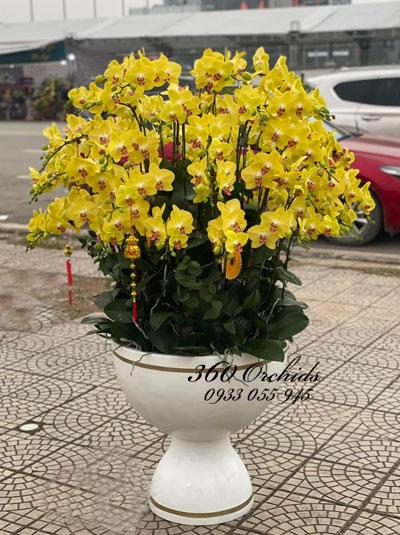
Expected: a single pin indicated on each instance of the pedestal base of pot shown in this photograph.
(201, 483)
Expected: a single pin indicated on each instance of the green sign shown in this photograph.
(52, 52)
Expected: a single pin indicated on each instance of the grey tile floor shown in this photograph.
(329, 465)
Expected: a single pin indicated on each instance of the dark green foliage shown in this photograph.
(186, 306)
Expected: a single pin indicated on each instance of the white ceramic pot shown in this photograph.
(201, 479)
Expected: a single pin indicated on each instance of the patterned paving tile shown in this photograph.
(36, 342)
(103, 401)
(93, 371)
(388, 400)
(121, 433)
(361, 293)
(69, 331)
(291, 514)
(375, 454)
(12, 381)
(268, 469)
(14, 411)
(73, 464)
(354, 385)
(19, 449)
(339, 311)
(336, 351)
(313, 364)
(373, 524)
(387, 499)
(4, 473)
(54, 360)
(67, 425)
(151, 525)
(379, 358)
(52, 392)
(321, 288)
(320, 323)
(46, 364)
(371, 425)
(384, 425)
(303, 429)
(10, 336)
(389, 303)
(388, 342)
(12, 522)
(360, 337)
(322, 480)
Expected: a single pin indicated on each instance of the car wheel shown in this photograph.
(364, 230)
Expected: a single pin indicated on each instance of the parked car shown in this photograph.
(378, 159)
(363, 99)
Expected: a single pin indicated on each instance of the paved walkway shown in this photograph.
(329, 465)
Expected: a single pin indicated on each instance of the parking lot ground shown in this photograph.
(330, 464)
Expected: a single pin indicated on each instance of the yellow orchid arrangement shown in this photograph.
(215, 185)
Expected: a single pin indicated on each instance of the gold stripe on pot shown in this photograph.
(201, 515)
(176, 370)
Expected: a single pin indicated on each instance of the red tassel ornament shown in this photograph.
(68, 264)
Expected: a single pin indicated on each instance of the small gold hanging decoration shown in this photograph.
(132, 251)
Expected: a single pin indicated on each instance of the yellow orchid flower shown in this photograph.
(261, 61)
(263, 170)
(310, 225)
(226, 177)
(56, 222)
(273, 227)
(215, 234)
(141, 72)
(179, 222)
(163, 178)
(166, 71)
(140, 184)
(213, 71)
(235, 241)
(173, 112)
(220, 150)
(155, 228)
(54, 136)
(81, 208)
(232, 215)
(329, 226)
(109, 233)
(37, 225)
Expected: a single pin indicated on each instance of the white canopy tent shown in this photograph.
(95, 41)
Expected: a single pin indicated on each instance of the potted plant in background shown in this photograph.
(193, 201)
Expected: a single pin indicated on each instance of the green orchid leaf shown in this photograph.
(266, 349)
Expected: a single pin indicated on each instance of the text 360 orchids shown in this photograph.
(224, 371)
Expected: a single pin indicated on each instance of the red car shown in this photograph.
(378, 159)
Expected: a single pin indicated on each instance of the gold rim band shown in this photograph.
(176, 370)
(201, 515)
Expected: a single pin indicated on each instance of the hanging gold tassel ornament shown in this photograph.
(132, 251)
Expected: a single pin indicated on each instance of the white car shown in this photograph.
(365, 99)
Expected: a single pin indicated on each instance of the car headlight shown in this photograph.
(390, 170)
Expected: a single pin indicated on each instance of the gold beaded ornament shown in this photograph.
(132, 251)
